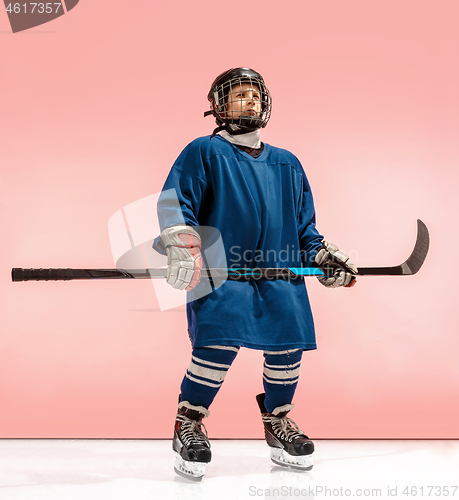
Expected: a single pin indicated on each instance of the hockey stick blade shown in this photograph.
(411, 265)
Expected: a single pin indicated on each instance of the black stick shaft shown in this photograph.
(19, 274)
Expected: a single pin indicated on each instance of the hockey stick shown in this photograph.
(409, 267)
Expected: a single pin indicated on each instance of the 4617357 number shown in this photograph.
(430, 491)
(33, 8)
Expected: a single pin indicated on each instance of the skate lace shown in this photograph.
(191, 431)
(284, 427)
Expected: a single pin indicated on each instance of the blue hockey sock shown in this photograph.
(206, 373)
(280, 377)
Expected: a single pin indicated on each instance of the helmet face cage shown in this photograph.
(225, 95)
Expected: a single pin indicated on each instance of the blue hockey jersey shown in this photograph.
(264, 211)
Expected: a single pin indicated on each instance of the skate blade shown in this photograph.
(191, 470)
(284, 459)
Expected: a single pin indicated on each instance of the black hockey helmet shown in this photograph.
(218, 98)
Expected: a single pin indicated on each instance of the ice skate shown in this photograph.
(289, 446)
(190, 443)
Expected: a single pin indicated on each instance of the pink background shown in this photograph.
(96, 106)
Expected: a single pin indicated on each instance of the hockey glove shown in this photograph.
(184, 261)
(343, 268)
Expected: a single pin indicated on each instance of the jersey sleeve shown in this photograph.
(183, 191)
(309, 236)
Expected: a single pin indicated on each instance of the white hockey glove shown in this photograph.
(184, 261)
(344, 268)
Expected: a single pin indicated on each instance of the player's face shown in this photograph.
(243, 100)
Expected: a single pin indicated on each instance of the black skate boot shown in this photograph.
(191, 445)
(290, 447)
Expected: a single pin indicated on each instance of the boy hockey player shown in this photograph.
(259, 198)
